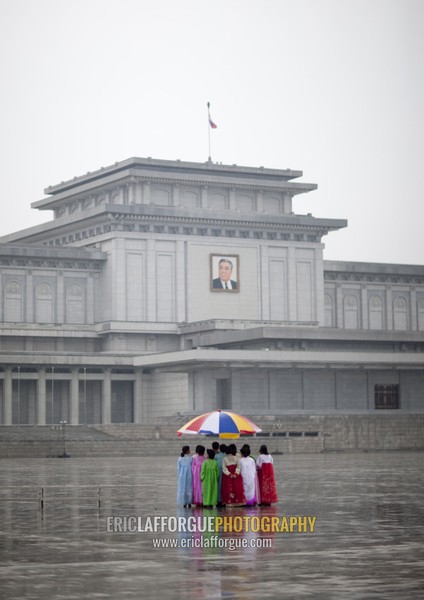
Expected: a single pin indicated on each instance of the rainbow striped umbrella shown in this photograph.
(224, 423)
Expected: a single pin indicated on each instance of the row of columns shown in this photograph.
(140, 192)
(48, 374)
(413, 316)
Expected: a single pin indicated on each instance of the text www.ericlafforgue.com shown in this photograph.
(213, 541)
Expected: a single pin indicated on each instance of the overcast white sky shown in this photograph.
(334, 88)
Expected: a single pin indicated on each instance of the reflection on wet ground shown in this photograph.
(367, 542)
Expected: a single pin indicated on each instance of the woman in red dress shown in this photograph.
(232, 490)
(264, 464)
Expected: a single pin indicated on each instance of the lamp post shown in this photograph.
(64, 455)
(85, 396)
(52, 395)
(19, 396)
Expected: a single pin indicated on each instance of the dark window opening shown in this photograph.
(386, 396)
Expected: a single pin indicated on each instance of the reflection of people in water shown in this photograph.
(225, 271)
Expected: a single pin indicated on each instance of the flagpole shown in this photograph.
(209, 134)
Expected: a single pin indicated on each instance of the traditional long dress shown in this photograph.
(268, 489)
(250, 480)
(232, 491)
(196, 467)
(219, 458)
(185, 480)
(209, 475)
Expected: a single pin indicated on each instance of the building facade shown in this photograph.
(115, 311)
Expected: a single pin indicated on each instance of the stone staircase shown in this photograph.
(130, 439)
(288, 434)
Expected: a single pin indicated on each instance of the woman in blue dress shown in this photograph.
(185, 486)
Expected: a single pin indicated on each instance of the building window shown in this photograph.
(400, 313)
(351, 312)
(13, 302)
(44, 303)
(375, 312)
(386, 396)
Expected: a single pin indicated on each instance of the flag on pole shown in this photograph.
(211, 123)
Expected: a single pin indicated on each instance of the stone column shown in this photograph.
(90, 299)
(175, 200)
(319, 286)
(138, 193)
(146, 192)
(259, 201)
(29, 285)
(204, 197)
(60, 304)
(8, 396)
(119, 266)
(413, 309)
(138, 396)
(107, 397)
(74, 408)
(389, 308)
(264, 308)
(339, 306)
(41, 397)
(151, 280)
(232, 199)
(181, 277)
(131, 193)
(292, 284)
(364, 307)
(287, 204)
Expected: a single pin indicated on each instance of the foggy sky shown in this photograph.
(334, 88)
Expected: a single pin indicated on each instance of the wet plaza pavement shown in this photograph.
(367, 541)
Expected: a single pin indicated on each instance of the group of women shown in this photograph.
(221, 476)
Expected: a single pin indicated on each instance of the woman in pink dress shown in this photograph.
(196, 467)
(264, 465)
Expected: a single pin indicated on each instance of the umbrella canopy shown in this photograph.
(220, 422)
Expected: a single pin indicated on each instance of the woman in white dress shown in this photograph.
(250, 477)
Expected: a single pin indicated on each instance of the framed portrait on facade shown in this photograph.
(224, 273)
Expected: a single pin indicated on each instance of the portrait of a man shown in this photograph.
(224, 273)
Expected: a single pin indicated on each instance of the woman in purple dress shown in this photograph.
(196, 467)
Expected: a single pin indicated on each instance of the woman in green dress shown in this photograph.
(209, 476)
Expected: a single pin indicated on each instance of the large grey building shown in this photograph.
(115, 310)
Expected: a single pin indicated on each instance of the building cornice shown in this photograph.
(358, 272)
(108, 218)
(140, 166)
(214, 358)
(128, 178)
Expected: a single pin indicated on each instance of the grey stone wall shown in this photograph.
(288, 435)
